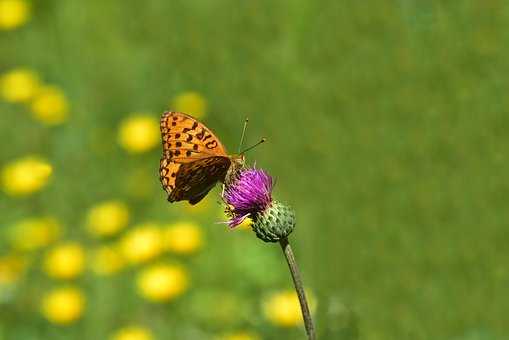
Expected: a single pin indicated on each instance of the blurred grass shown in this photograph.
(387, 126)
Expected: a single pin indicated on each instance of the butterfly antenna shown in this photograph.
(263, 140)
(243, 134)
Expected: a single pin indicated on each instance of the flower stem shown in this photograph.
(299, 287)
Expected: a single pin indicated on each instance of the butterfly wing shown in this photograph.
(194, 159)
(185, 139)
(194, 180)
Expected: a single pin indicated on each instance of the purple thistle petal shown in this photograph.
(250, 193)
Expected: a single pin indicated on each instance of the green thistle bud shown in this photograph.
(274, 223)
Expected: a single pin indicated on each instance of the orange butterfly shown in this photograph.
(194, 159)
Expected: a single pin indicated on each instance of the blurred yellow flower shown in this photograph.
(142, 243)
(243, 335)
(13, 13)
(139, 133)
(50, 105)
(183, 238)
(107, 260)
(25, 175)
(161, 282)
(283, 308)
(63, 305)
(11, 268)
(107, 218)
(34, 233)
(133, 333)
(65, 261)
(18, 85)
(191, 103)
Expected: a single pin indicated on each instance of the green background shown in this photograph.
(387, 131)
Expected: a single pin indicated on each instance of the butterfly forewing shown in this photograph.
(185, 139)
(194, 159)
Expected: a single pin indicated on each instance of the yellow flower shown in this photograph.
(283, 308)
(190, 102)
(240, 336)
(18, 85)
(139, 133)
(65, 261)
(25, 175)
(107, 260)
(11, 268)
(50, 106)
(143, 243)
(13, 13)
(183, 238)
(34, 233)
(161, 282)
(63, 305)
(133, 333)
(107, 218)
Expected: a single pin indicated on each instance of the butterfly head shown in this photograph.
(238, 160)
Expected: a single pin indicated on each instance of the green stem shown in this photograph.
(299, 288)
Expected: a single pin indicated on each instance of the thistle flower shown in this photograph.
(249, 194)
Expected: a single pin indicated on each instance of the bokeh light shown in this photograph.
(11, 268)
(63, 306)
(50, 105)
(191, 103)
(65, 261)
(161, 282)
(18, 85)
(144, 242)
(25, 175)
(107, 218)
(139, 133)
(183, 238)
(13, 13)
(34, 233)
(283, 308)
(132, 333)
(242, 335)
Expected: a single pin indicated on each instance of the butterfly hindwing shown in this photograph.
(168, 174)
(193, 180)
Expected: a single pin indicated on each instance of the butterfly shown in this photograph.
(194, 159)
